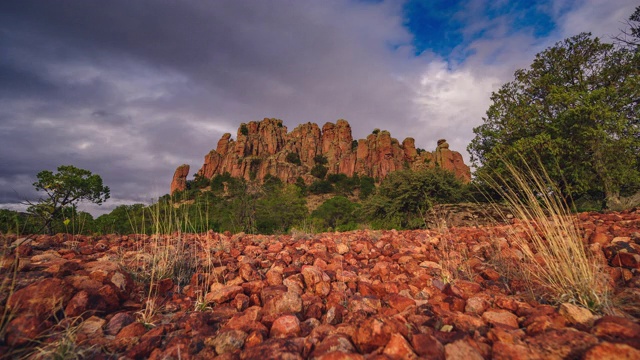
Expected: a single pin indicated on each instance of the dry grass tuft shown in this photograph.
(556, 266)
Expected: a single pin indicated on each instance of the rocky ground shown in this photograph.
(432, 294)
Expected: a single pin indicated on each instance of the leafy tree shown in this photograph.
(279, 209)
(575, 112)
(337, 213)
(301, 185)
(67, 187)
(367, 187)
(404, 196)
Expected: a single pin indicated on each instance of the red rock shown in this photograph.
(476, 305)
(609, 351)
(399, 302)
(613, 327)
(179, 182)
(286, 326)
(334, 344)
(227, 341)
(505, 351)
(374, 333)
(135, 329)
(222, 295)
(461, 350)
(562, 344)
(118, 322)
(399, 348)
(24, 329)
(501, 318)
(268, 140)
(78, 304)
(275, 349)
(576, 315)
(41, 298)
(316, 280)
(427, 346)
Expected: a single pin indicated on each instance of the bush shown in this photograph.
(320, 187)
(404, 197)
(337, 213)
(367, 187)
(320, 159)
(319, 171)
(293, 158)
(244, 130)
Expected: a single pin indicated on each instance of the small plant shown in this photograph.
(556, 265)
(147, 314)
(293, 158)
(244, 130)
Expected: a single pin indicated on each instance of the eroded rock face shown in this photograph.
(262, 147)
(179, 182)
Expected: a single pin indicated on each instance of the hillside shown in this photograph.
(266, 147)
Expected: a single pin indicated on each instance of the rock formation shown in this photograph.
(179, 182)
(261, 148)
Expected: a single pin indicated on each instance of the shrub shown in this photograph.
(320, 187)
(293, 158)
(319, 171)
(404, 196)
(337, 212)
(320, 159)
(244, 130)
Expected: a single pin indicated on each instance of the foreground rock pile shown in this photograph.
(357, 295)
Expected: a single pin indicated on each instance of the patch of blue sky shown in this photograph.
(447, 27)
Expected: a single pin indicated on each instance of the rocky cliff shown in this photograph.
(261, 148)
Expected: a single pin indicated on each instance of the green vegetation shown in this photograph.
(337, 213)
(319, 171)
(293, 158)
(404, 197)
(574, 111)
(244, 130)
(63, 191)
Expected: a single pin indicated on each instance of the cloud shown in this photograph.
(130, 90)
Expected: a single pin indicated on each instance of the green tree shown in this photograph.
(631, 36)
(279, 209)
(337, 213)
(65, 188)
(319, 171)
(404, 196)
(574, 112)
(293, 158)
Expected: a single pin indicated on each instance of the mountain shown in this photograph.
(266, 147)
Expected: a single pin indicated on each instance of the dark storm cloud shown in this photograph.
(132, 89)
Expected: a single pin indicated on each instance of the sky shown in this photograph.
(132, 89)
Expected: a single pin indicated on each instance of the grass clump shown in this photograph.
(556, 266)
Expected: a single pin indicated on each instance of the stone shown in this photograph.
(227, 341)
(399, 348)
(427, 346)
(576, 315)
(179, 182)
(461, 350)
(286, 326)
(24, 329)
(611, 351)
(501, 318)
(223, 294)
(41, 298)
(117, 322)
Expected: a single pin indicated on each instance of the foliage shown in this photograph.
(293, 158)
(244, 130)
(367, 187)
(631, 37)
(280, 209)
(404, 196)
(337, 213)
(198, 182)
(576, 109)
(319, 171)
(320, 159)
(66, 188)
(302, 186)
(320, 187)
(218, 181)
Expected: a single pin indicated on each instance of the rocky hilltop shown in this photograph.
(264, 147)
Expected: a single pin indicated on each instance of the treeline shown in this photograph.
(225, 203)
